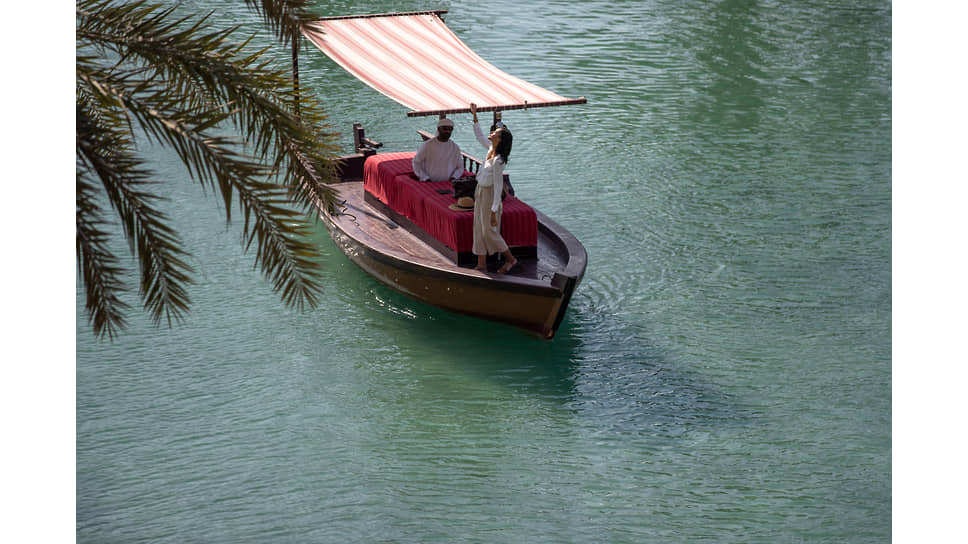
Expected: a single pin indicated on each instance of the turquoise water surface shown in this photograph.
(723, 373)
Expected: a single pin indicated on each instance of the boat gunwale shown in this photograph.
(577, 254)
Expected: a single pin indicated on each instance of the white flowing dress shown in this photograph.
(487, 199)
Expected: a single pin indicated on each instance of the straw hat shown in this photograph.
(464, 204)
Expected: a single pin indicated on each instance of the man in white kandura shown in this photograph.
(439, 158)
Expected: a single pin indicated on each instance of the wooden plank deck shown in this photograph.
(360, 220)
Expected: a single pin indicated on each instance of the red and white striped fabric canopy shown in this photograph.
(414, 59)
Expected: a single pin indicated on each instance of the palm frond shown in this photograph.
(283, 17)
(106, 154)
(140, 70)
(98, 265)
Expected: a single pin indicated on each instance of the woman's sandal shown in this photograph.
(508, 267)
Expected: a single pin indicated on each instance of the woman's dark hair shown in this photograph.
(504, 146)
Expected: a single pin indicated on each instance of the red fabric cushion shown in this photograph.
(389, 177)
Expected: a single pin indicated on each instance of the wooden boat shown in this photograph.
(397, 245)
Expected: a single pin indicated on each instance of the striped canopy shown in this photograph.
(414, 59)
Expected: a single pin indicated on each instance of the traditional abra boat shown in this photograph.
(407, 233)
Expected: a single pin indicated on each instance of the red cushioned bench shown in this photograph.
(391, 186)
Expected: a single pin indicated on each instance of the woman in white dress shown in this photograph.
(487, 197)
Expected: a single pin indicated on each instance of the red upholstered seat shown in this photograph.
(389, 177)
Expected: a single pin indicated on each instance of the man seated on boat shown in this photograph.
(439, 158)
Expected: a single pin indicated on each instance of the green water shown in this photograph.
(723, 373)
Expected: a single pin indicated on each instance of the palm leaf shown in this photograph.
(183, 84)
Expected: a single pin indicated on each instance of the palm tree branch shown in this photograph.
(275, 226)
(142, 70)
(284, 252)
(283, 17)
(98, 265)
(257, 97)
(164, 274)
